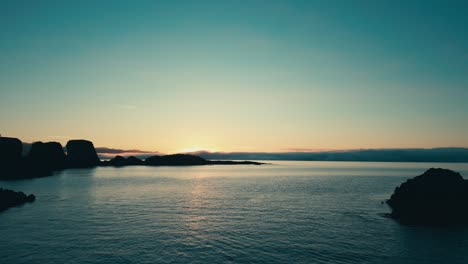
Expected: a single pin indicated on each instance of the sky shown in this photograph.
(174, 76)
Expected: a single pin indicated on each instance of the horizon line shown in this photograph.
(109, 150)
(137, 151)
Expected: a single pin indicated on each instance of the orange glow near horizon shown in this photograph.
(224, 140)
(195, 149)
(265, 78)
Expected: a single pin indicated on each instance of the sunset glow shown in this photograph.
(195, 149)
(232, 76)
(228, 131)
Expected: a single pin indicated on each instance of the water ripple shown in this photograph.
(283, 213)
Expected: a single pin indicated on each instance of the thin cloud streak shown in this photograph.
(105, 150)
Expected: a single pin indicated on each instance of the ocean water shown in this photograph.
(285, 212)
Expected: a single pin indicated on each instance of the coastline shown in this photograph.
(45, 158)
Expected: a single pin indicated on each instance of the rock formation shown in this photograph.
(134, 161)
(10, 156)
(10, 150)
(175, 160)
(438, 196)
(120, 161)
(9, 198)
(81, 154)
(191, 160)
(45, 158)
(232, 162)
(172, 160)
(48, 155)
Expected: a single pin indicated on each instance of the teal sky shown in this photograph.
(236, 75)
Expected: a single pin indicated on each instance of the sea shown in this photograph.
(282, 212)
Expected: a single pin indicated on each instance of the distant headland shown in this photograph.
(45, 158)
(447, 154)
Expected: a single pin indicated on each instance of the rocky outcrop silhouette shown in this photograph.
(191, 160)
(120, 161)
(9, 198)
(45, 158)
(81, 154)
(10, 156)
(176, 160)
(49, 155)
(134, 161)
(172, 160)
(42, 160)
(232, 162)
(10, 150)
(438, 196)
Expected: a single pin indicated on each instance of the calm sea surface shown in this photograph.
(287, 212)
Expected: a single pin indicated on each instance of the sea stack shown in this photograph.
(81, 154)
(10, 157)
(438, 196)
(10, 150)
(49, 155)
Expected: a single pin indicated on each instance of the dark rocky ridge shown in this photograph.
(120, 161)
(81, 153)
(9, 198)
(10, 149)
(45, 158)
(10, 155)
(437, 197)
(172, 160)
(134, 161)
(176, 160)
(49, 155)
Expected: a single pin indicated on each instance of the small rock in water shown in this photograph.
(9, 198)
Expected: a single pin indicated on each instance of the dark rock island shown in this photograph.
(172, 160)
(9, 198)
(82, 154)
(45, 158)
(437, 197)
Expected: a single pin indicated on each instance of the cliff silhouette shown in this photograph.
(44, 158)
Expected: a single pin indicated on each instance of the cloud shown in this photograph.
(105, 150)
(109, 153)
(305, 150)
